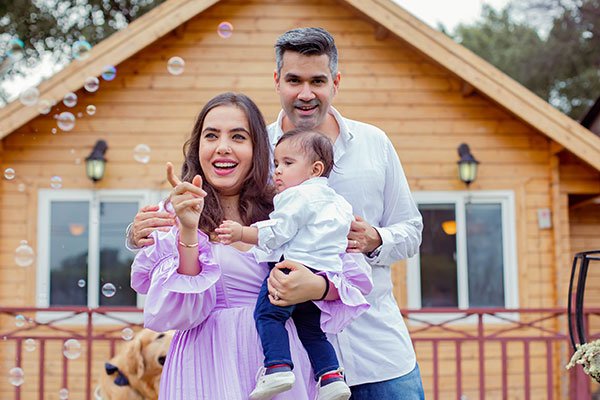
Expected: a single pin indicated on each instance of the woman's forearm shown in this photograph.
(188, 252)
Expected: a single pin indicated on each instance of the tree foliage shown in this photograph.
(49, 28)
(562, 66)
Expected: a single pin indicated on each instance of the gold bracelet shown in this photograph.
(189, 246)
(242, 234)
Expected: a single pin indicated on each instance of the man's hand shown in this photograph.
(362, 238)
(146, 221)
(298, 286)
(229, 232)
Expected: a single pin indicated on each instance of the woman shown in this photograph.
(206, 290)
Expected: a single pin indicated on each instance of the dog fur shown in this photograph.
(140, 361)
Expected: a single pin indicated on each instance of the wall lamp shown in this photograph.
(95, 163)
(467, 165)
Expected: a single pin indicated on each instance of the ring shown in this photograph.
(276, 295)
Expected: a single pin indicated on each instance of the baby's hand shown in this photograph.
(229, 232)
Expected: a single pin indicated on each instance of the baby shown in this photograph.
(309, 225)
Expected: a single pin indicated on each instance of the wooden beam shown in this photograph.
(467, 89)
(556, 148)
(381, 33)
(594, 201)
(180, 30)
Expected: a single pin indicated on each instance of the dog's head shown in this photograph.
(139, 363)
(147, 353)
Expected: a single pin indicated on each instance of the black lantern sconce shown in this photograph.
(95, 163)
(467, 165)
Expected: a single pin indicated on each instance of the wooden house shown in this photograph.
(503, 243)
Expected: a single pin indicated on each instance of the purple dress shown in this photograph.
(216, 351)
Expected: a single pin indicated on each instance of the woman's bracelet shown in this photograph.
(326, 288)
(188, 246)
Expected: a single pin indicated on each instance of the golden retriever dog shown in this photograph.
(134, 373)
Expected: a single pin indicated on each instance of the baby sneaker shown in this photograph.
(269, 385)
(332, 386)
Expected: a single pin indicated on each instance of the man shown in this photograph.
(375, 350)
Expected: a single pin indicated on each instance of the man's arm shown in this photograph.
(401, 224)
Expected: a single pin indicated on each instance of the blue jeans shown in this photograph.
(270, 324)
(407, 387)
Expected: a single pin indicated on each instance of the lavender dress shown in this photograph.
(216, 352)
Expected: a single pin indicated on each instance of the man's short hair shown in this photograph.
(308, 42)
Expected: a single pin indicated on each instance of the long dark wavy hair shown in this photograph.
(256, 194)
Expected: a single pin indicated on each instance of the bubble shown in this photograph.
(9, 174)
(141, 153)
(29, 96)
(79, 115)
(90, 109)
(175, 65)
(109, 73)
(29, 345)
(72, 349)
(16, 376)
(53, 130)
(81, 50)
(127, 333)
(70, 99)
(81, 283)
(63, 394)
(44, 106)
(66, 121)
(21, 187)
(56, 182)
(225, 30)
(15, 49)
(77, 161)
(20, 321)
(109, 290)
(91, 84)
(24, 254)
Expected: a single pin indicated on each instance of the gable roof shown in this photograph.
(472, 69)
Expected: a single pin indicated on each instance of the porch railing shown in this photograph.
(463, 354)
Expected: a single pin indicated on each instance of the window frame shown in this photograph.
(94, 198)
(460, 198)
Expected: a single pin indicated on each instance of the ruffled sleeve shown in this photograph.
(174, 301)
(353, 284)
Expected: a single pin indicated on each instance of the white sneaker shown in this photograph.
(268, 386)
(338, 390)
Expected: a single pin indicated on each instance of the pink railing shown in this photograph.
(454, 347)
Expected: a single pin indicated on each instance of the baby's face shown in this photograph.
(292, 167)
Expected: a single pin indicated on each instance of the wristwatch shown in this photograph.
(375, 253)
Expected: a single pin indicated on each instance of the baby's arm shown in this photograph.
(231, 231)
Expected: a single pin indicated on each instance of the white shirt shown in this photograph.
(376, 346)
(309, 224)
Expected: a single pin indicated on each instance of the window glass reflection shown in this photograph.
(484, 252)
(115, 259)
(438, 256)
(68, 252)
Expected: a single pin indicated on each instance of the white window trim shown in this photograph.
(94, 197)
(511, 285)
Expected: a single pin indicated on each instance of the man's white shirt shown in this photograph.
(368, 174)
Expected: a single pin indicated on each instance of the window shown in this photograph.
(81, 246)
(468, 255)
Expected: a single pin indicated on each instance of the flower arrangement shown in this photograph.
(588, 355)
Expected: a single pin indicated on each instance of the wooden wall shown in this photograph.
(384, 81)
